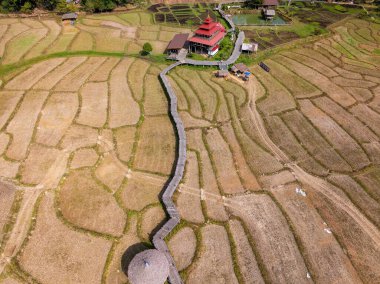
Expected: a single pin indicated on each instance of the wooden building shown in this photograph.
(239, 68)
(207, 37)
(250, 47)
(178, 42)
(269, 14)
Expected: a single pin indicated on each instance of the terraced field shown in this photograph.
(119, 33)
(318, 105)
(86, 146)
(77, 163)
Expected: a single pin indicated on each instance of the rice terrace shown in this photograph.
(168, 142)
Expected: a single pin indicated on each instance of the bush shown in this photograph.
(147, 49)
(98, 5)
(26, 8)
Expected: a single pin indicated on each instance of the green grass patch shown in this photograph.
(376, 51)
(6, 69)
(18, 47)
(305, 30)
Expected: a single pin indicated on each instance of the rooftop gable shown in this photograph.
(270, 3)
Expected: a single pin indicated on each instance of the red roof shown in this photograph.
(207, 26)
(207, 32)
(208, 42)
(215, 47)
(208, 19)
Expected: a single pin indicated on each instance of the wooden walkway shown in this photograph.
(174, 217)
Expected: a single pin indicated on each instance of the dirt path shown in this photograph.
(21, 227)
(316, 183)
(24, 215)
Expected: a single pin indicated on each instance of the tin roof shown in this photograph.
(69, 16)
(178, 41)
(269, 12)
(241, 67)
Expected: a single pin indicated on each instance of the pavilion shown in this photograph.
(148, 267)
(207, 37)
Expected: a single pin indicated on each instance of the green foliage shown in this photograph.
(147, 49)
(340, 8)
(98, 5)
(11, 5)
(62, 7)
(47, 4)
(26, 8)
(254, 3)
(225, 49)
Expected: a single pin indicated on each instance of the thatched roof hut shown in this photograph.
(69, 16)
(148, 267)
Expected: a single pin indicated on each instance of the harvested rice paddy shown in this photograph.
(282, 172)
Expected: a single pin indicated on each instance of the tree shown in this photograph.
(11, 5)
(46, 4)
(62, 7)
(147, 48)
(98, 5)
(254, 3)
(26, 8)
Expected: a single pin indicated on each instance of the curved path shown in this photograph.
(174, 217)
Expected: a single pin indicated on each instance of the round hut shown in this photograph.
(148, 267)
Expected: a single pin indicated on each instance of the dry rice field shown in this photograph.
(80, 177)
(86, 146)
(22, 39)
(319, 106)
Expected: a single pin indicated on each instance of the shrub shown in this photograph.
(26, 8)
(147, 49)
(340, 8)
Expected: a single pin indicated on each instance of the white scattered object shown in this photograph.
(300, 192)
(202, 194)
(308, 275)
(129, 173)
(327, 230)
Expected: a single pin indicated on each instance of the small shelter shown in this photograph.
(222, 73)
(70, 17)
(269, 14)
(148, 267)
(250, 47)
(239, 68)
(178, 42)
